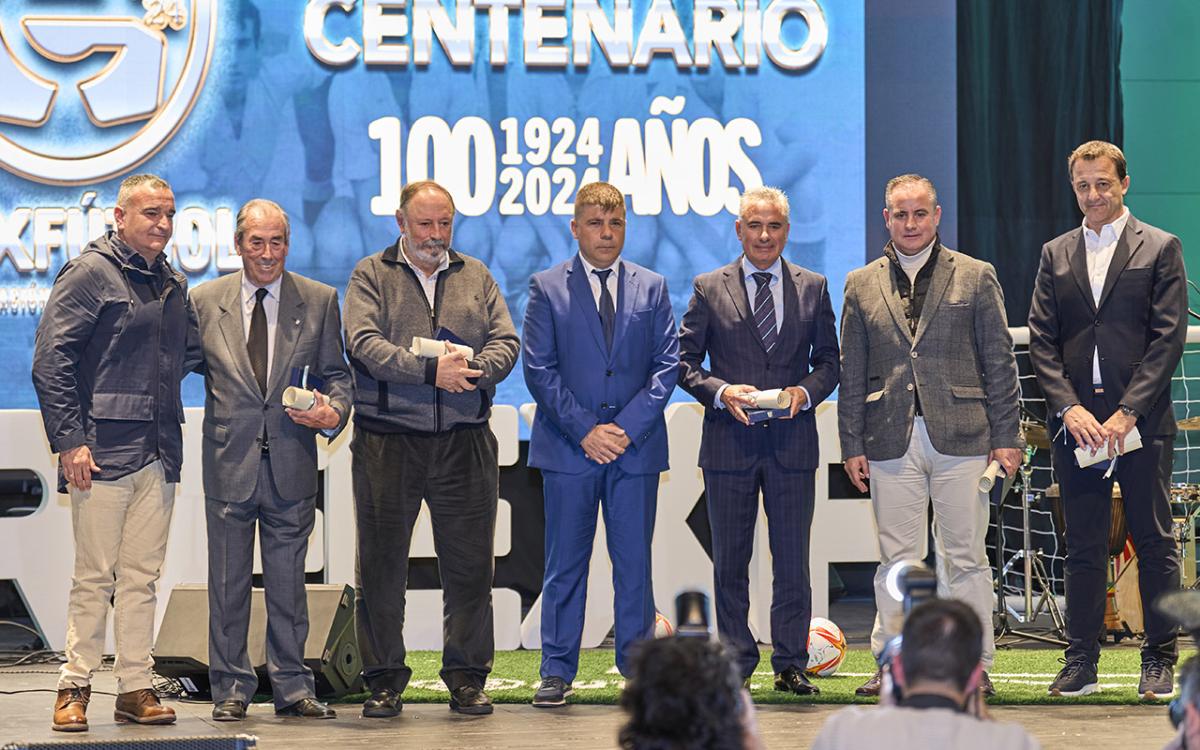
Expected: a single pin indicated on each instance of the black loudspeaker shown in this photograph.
(331, 651)
(227, 742)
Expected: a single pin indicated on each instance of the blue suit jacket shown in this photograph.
(719, 324)
(577, 383)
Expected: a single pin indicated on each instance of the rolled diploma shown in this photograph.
(988, 479)
(776, 398)
(429, 348)
(300, 399)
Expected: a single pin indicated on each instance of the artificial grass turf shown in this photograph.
(1021, 676)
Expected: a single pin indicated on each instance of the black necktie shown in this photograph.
(256, 345)
(608, 311)
(764, 311)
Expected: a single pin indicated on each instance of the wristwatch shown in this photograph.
(1127, 411)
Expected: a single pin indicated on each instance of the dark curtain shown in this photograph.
(1035, 80)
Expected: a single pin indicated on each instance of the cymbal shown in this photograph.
(1037, 436)
(1191, 423)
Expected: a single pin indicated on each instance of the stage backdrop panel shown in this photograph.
(329, 106)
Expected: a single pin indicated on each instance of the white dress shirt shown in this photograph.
(594, 280)
(270, 307)
(775, 284)
(776, 287)
(1100, 248)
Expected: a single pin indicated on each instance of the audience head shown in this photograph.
(683, 693)
(941, 644)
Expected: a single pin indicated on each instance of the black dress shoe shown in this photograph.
(792, 680)
(383, 704)
(469, 699)
(231, 710)
(307, 708)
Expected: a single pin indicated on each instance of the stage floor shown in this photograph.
(25, 716)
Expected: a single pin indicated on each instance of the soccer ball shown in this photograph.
(826, 647)
(662, 626)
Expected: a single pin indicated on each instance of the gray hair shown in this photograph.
(131, 183)
(765, 194)
(261, 204)
(907, 179)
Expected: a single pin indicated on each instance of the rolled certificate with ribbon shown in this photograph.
(988, 479)
(429, 348)
(776, 398)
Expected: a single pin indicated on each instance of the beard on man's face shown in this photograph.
(429, 251)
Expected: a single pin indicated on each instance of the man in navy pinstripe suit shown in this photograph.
(763, 323)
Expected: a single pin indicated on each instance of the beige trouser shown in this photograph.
(901, 489)
(120, 542)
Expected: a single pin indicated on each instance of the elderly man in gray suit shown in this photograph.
(928, 398)
(257, 328)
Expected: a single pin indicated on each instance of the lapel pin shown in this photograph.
(296, 321)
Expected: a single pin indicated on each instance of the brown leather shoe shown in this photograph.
(142, 707)
(70, 709)
(872, 687)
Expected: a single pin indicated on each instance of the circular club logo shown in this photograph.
(136, 78)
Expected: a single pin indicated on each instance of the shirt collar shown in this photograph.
(776, 269)
(249, 288)
(1109, 233)
(588, 267)
(441, 266)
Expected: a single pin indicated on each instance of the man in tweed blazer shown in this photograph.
(763, 323)
(928, 398)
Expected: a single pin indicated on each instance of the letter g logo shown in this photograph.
(126, 110)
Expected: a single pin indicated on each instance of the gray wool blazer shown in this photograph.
(308, 332)
(960, 361)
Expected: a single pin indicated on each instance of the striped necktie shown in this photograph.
(764, 311)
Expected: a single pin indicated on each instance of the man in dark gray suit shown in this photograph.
(763, 323)
(257, 328)
(1106, 332)
(928, 399)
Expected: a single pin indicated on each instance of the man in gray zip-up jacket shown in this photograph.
(421, 432)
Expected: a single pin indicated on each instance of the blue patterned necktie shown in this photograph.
(764, 311)
(608, 311)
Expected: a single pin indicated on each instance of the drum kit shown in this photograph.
(1123, 615)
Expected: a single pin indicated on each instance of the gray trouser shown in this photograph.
(283, 529)
(901, 489)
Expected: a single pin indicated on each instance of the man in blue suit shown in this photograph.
(601, 359)
(763, 323)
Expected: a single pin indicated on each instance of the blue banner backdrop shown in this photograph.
(329, 106)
